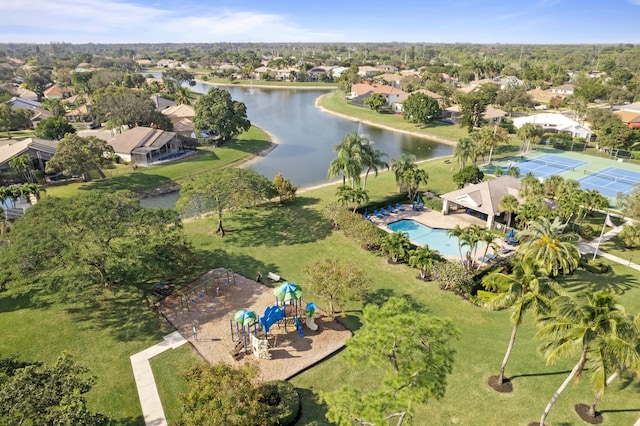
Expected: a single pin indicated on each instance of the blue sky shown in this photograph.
(444, 21)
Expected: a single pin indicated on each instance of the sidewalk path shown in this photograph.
(146, 384)
(590, 248)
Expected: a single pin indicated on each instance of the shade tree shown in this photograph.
(78, 156)
(420, 109)
(218, 115)
(221, 190)
(53, 128)
(414, 361)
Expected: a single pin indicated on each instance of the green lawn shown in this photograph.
(146, 178)
(335, 102)
(283, 239)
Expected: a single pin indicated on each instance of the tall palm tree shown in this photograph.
(530, 186)
(412, 179)
(401, 166)
(372, 159)
(470, 238)
(424, 259)
(184, 96)
(551, 185)
(349, 159)
(547, 242)
(457, 232)
(463, 151)
(487, 236)
(509, 203)
(526, 288)
(590, 327)
(359, 197)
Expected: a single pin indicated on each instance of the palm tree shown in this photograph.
(344, 194)
(423, 258)
(591, 326)
(547, 242)
(401, 166)
(509, 203)
(530, 186)
(457, 232)
(372, 160)
(526, 288)
(412, 179)
(487, 236)
(551, 185)
(359, 196)
(488, 138)
(470, 238)
(529, 131)
(396, 245)
(464, 150)
(184, 96)
(349, 159)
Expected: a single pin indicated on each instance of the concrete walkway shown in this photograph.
(146, 384)
(590, 248)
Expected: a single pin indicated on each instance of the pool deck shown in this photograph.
(435, 219)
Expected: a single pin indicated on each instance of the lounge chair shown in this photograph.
(484, 259)
(384, 212)
(505, 250)
(491, 256)
(399, 207)
(378, 214)
(391, 209)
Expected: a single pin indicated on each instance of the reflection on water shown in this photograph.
(168, 201)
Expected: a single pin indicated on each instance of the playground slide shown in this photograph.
(272, 315)
(299, 327)
(311, 324)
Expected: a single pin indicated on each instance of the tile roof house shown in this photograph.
(144, 145)
(26, 94)
(181, 117)
(56, 92)
(397, 105)
(361, 91)
(40, 151)
(367, 71)
(162, 103)
(482, 198)
(563, 90)
(491, 115)
(38, 115)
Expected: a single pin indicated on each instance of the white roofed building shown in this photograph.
(558, 123)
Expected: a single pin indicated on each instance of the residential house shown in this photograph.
(25, 94)
(162, 103)
(145, 63)
(168, 63)
(260, 72)
(318, 73)
(563, 90)
(78, 108)
(40, 151)
(630, 118)
(555, 123)
(388, 68)
(491, 115)
(38, 114)
(337, 71)
(397, 106)
(361, 91)
(392, 79)
(144, 145)
(287, 74)
(181, 117)
(482, 199)
(16, 102)
(56, 92)
(367, 71)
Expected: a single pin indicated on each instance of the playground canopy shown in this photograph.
(288, 291)
(245, 317)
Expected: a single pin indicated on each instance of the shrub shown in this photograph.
(454, 277)
(282, 401)
(594, 266)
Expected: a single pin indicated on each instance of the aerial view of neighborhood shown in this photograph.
(274, 214)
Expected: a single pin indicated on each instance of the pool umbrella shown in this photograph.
(288, 291)
(244, 317)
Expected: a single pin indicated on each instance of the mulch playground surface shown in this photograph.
(210, 314)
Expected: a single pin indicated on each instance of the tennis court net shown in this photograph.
(552, 164)
(613, 178)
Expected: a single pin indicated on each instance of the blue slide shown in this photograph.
(299, 327)
(272, 315)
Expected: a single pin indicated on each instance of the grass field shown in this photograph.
(283, 239)
(335, 102)
(146, 178)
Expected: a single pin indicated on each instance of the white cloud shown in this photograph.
(113, 21)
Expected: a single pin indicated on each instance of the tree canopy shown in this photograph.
(77, 156)
(94, 240)
(420, 108)
(53, 128)
(411, 349)
(128, 107)
(32, 393)
(223, 189)
(219, 115)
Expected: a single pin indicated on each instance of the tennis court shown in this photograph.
(546, 165)
(610, 181)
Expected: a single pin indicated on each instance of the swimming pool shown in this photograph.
(436, 239)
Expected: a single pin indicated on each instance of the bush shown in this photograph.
(594, 266)
(282, 401)
(454, 277)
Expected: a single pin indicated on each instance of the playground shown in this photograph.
(220, 312)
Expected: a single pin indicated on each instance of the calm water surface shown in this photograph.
(306, 135)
